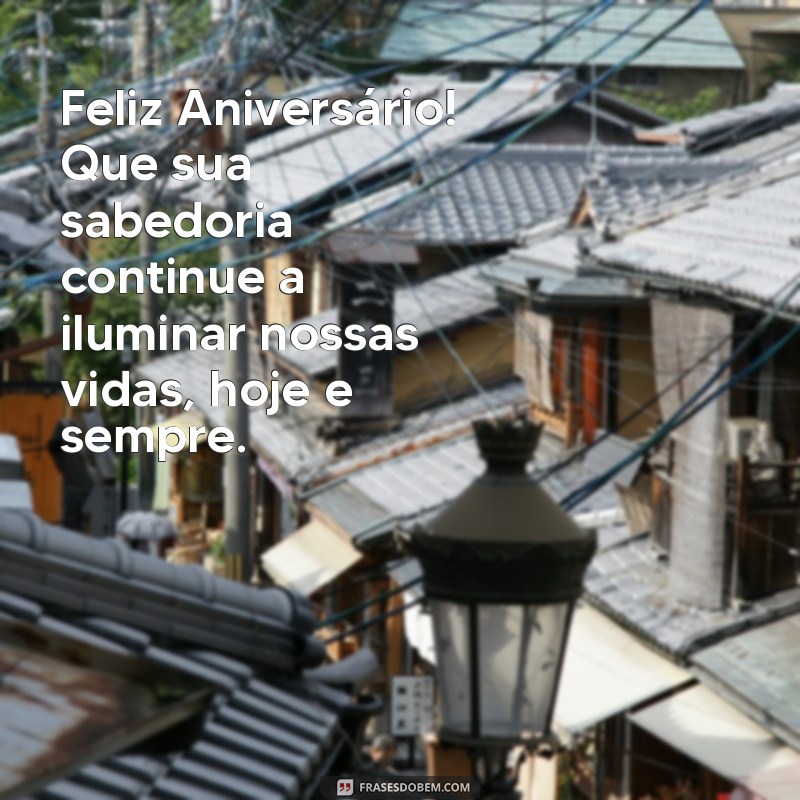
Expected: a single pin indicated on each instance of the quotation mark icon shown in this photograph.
(344, 787)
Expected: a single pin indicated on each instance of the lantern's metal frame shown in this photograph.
(538, 556)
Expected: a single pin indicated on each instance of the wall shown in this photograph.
(636, 380)
(571, 127)
(690, 343)
(277, 306)
(427, 373)
(283, 309)
(740, 23)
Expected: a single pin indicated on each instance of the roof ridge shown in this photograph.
(95, 576)
(736, 183)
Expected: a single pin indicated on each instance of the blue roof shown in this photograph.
(435, 29)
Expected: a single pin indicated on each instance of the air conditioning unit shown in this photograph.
(741, 432)
(219, 10)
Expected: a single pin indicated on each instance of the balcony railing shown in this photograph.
(763, 506)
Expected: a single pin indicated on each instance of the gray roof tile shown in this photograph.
(630, 582)
(731, 126)
(200, 773)
(740, 244)
(504, 193)
(265, 735)
(103, 578)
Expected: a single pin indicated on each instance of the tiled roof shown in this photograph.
(758, 671)
(269, 733)
(503, 194)
(730, 126)
(619, 189)
(440, 421)
(271, 627)
(428, 29)
(490, 202)
(300, 166)
(629, 582)
(744, 245)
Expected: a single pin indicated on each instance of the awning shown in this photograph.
(607, 671)
(309, 558)
(183, 421)
(711, 731)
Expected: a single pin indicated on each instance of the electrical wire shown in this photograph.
(340, 616)
(693, 405)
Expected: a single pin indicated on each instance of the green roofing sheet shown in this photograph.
(437, 30)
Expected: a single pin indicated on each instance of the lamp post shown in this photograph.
(503, 566)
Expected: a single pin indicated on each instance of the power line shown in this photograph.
(698, 400)
(509, 139)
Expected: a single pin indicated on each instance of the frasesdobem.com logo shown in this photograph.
(400, 787)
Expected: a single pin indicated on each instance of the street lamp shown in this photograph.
(503, 566)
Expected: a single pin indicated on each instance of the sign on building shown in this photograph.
(412, 705)
(365, 301)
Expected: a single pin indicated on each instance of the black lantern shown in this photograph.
(503, 566)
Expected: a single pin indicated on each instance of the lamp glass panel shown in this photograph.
(451, 632)
(520, 650)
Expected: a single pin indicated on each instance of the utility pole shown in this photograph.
(46, 142)
(148, 303)
(238, 544)
(143, 75)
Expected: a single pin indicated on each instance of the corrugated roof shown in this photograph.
(65, 702)
(300, 165)
(413, 486)
(426, 29)
(758, 671)
(268, 734)
(743, 245)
